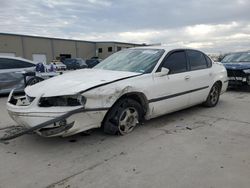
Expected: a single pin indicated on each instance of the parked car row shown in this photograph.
(12, 70)
(18, 72)
(78, 63)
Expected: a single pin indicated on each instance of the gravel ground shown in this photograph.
(196, 147)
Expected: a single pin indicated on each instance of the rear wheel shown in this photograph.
(123, 117)
(213, 96)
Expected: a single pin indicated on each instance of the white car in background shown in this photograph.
(123, 90)
(59, 65)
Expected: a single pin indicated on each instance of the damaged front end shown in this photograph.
(52, 116)
(238, 77)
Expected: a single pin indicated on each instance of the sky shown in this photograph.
(209, 25)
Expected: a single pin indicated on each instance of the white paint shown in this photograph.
(75, 81)
(153, 85)
(39, 58)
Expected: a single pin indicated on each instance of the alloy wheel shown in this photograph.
(214, 94)
(128, 120)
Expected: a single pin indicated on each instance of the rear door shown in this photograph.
(11, 74)
(200, 76)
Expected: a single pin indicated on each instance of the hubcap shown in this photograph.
(214, 94)
(128, 120)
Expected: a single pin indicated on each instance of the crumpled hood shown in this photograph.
(237, 66)
(75, 82)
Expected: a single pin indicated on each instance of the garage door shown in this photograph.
(39, 58)
(8, 54)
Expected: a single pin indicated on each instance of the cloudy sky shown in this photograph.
(210, 25)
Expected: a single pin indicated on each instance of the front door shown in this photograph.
(171, 91)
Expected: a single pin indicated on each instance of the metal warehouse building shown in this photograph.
(44, 49)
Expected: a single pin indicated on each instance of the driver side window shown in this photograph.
(176, 62)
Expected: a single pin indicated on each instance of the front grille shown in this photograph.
(235, 73)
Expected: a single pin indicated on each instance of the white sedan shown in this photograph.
(126, 88)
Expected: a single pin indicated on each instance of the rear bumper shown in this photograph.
(53, 121)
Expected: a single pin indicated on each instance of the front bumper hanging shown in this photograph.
(49, 122)
(21, 131)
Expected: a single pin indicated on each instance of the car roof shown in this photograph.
(18, 58)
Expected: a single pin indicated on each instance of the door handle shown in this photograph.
(187, 77)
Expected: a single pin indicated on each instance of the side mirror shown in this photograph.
(164, 72)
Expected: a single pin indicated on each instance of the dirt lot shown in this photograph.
(196, 147)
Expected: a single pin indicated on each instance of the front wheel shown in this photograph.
(213, 96)
(34, 80)
(123, 117)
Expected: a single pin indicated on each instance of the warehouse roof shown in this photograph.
(75, 40)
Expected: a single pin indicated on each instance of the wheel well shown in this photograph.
(36, 77)
(220, 83)
(32, 78)
(137, 96)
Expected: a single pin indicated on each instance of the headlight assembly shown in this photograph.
(247, 71)
(30, 99)
(81, 99)
(69, 100)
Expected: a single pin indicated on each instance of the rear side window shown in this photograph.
(6, 63)
(24, 64)
(176, 62)
(209, 61)
(197, 60)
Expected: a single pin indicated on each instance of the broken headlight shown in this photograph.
(69, 100)
(29, 99)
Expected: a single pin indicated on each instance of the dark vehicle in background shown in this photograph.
(76, 63)
(12, 70)
(93, 62)
(238, 68)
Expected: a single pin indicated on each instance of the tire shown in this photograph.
(34, 81)
(213, 96)
(123, 117)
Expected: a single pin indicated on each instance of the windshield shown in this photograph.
(132, 60)
(237, 57)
